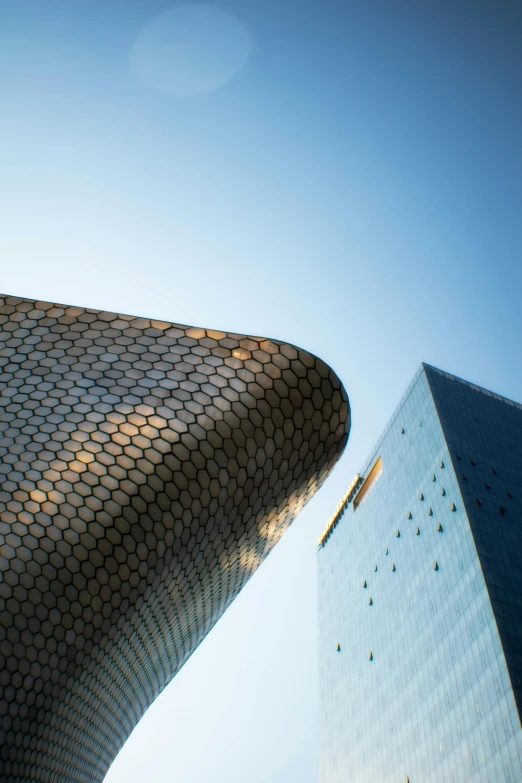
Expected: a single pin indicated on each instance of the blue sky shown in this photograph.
(355, 187)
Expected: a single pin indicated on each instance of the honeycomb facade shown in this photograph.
(146, 470)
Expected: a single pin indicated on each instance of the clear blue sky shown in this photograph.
(345, 175)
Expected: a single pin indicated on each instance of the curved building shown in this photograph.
(146, 469)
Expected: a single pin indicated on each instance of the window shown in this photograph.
(370, 481)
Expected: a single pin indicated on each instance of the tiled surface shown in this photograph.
(146, 470)
(414, 682)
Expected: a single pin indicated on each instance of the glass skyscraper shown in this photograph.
(420, 597)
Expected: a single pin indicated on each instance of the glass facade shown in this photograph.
(420, 597)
